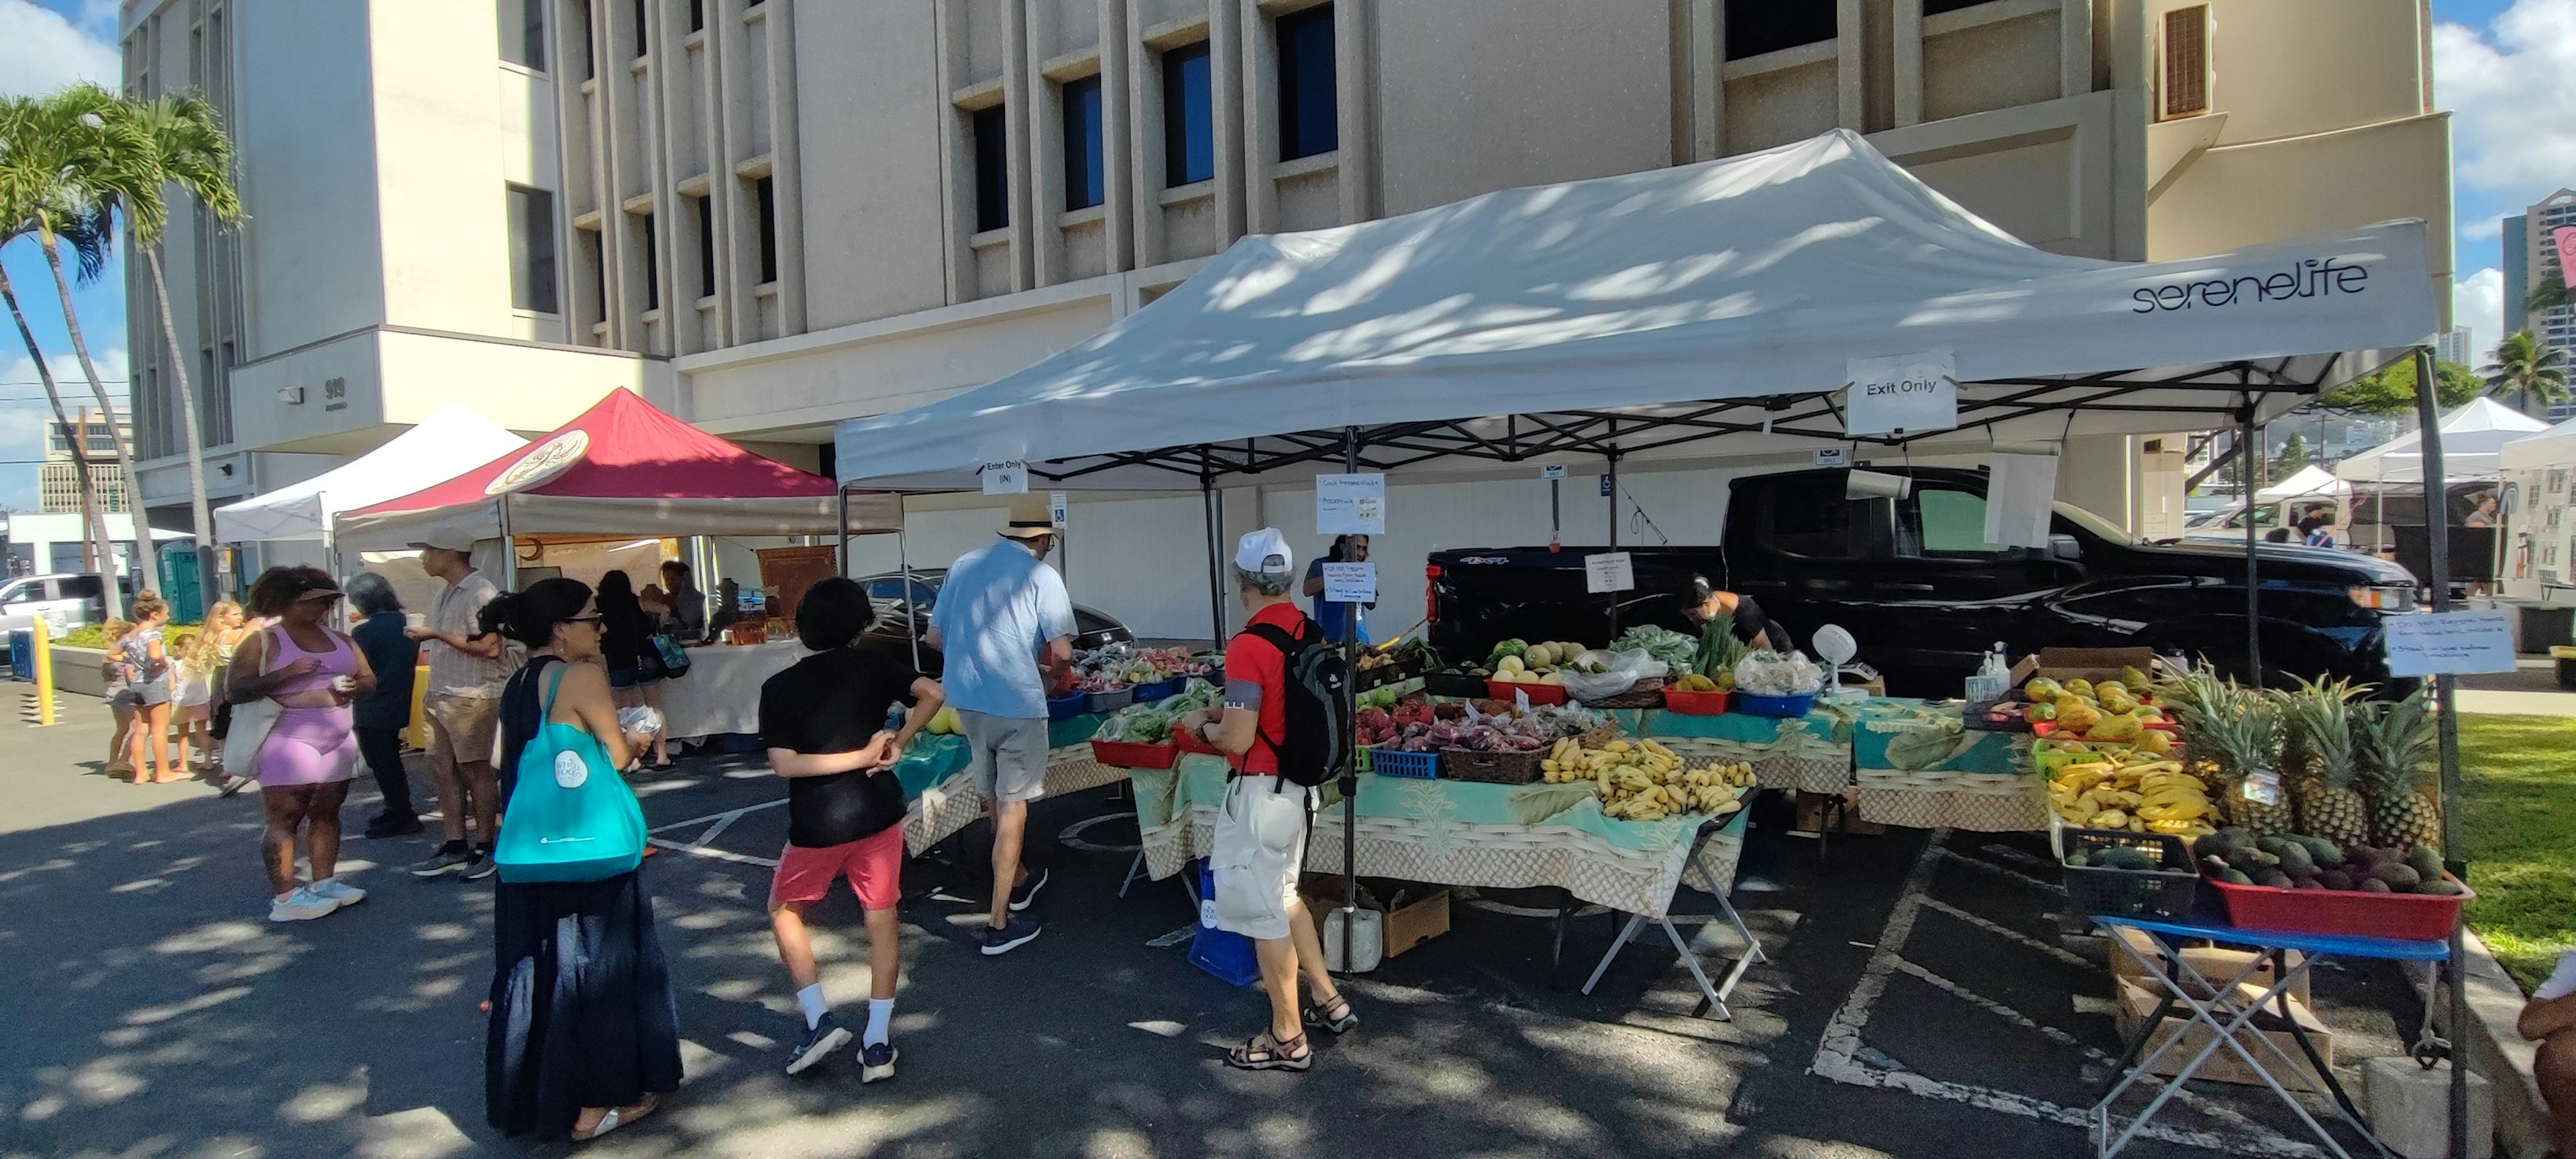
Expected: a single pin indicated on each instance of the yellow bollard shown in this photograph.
(44, 676)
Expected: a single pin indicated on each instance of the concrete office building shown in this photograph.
(2530, 260)
(58, 477)
(2459, 344)
(806, 211)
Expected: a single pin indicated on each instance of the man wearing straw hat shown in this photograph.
(1005, 628)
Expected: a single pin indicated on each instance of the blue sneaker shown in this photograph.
(876, 1062)
(818, 1044)
(1011, 937)
(1026, 893)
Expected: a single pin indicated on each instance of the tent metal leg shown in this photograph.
(2247, 459)
(2438, 560)
(1616, 944)
(1216, 562)
(1133, 868)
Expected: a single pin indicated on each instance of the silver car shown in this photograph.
(66, 600)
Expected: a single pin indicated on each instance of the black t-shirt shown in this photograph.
(833, 702)
(1750, 622)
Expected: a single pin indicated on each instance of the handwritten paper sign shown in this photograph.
(1608, 572)
(1011, 478)
(1552, 471)
(1350, 504)
(1909, 392)
(1350, 583)
(2449, 643)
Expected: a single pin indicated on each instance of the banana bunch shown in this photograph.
(2144, 795)
(1646, 781)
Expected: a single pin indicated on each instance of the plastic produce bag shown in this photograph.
(1626, 669)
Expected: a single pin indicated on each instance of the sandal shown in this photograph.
(1322, 1014)
(1264, 1052)
(617, 1117)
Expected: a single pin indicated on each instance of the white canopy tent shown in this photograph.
(2553, 447)
(2473, 439)
(1723, 299)
(454, 439)
(2311, 481)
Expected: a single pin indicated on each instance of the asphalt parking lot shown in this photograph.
(1919, 1000)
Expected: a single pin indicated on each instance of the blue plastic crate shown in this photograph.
(1787, 707)
(1064, 707)
(1387, 762)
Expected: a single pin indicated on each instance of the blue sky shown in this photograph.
(2499, 67)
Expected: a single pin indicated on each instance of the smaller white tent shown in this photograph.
(2555, 447)
(451, 441)
(2311, 481)
(2473, 438)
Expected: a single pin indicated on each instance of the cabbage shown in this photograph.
(1663, 644)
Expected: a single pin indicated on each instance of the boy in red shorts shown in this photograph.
(822, 722)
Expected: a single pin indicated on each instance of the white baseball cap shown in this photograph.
(1264, 550)
(445, 540)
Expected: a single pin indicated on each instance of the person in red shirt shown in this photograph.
(1260, 840)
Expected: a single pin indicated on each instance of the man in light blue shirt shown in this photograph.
(1005, 628)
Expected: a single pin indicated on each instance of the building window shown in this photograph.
(1083, 185)
(1308, 120)
(992, 168)
(652, 262)
(589, 42)
(1755, 27)
(643, 39)
(765, 192)
(706, 247)
(697, 15)
(2185, 67)
(523, 33)
(1937, 7)
(532, 249)
(1189, 122)
(594, 253)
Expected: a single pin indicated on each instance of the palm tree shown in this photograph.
(2525, 368)
(97, 138)
(35, 200)
(183, 144)
(2549, 295)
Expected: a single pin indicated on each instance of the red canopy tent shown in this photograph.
(622, 468)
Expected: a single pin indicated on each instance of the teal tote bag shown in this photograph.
(571, 817)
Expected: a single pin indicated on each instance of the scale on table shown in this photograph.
(1836, 647)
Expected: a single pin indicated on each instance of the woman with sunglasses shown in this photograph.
(312, 671)
(584, 1034)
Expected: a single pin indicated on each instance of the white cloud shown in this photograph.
(2513, 123)
(41, 52)
(2483, 228)
(2477, 302)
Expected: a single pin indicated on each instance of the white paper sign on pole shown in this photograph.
(1908, 392)
(1350, 504)
(1011, 478)
(1350, 583)
(1552, 471)
(2021, 493)
(2449, 642)
(1055, 508)
(1609, 571)
(1833, 457)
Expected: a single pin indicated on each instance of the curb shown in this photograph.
(2495, 1049)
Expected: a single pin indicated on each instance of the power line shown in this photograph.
(81, 381)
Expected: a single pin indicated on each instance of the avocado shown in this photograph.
(2208, 845)
(2320, 850)
(2275, 846)
(2296, 862)
(2374, 885)
(2128, 857)
(2237, 877)
(2257, 858)
(2397, 876)
(2274, 878)
(2334, 879)
(2214, 865)
(2310, 883)
(2234, 838)
(2426, 861)
(2440, 888)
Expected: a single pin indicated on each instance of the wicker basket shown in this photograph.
(1508, 768)
(1646, 693)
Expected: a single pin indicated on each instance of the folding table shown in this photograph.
(2224, 1013)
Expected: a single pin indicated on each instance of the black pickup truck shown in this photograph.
(1915, 583)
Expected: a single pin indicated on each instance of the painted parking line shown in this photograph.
(715, 825)
(1844, 1055)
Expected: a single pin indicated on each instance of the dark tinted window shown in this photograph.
(79, 587)
(1083, 183)
(1947, 523)
(523, 32)
(1937, 7)
(1754, 27)
(589, 63)
(1308, 122)
(1189, 124)
(765, 192)
(1086, 621)
(598, 272)
(992, 169)
(532, 249)
(1814, 521)
(697, 15)
(706, 247)
(642, 44)
(652, 264)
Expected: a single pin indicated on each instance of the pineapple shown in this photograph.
(2321, 725)
(2240, 729)
(2393, 740)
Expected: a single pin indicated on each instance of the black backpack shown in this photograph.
(1317, 743)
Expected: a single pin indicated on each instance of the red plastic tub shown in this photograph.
(1538, 693)
(2404, 916)
(1694, 703)
(1129, 755)
(1188, 741)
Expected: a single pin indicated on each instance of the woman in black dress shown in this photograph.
(626, 647)
(584, 1034)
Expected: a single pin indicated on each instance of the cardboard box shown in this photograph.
(2135, 1004)
(1811, 816)
(1425, 914)
(2209, 962)
(2064, 664)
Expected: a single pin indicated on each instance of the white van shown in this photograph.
(66, 600)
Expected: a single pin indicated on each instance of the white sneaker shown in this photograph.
(303, 905)
(337, 890)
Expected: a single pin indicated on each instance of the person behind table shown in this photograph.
(2550, 1020)
(467, 666)
(821, 721)
(625, 635)
(728, 606)
(147, 667)
(313, 672)
(382, 715)
(583, 1032)
(1260, 840)
(1329, 613)
(1005, 627)
(688, 604)
(1708, 606)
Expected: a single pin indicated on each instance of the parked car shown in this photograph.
(1915, 582)
(65, 600)
(904, 612)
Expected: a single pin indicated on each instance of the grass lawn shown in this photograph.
(2520, 823)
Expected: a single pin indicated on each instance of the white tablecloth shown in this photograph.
(721, 693)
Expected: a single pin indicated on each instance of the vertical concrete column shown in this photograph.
(957, 210)
(667, 62)
(1120, 127)
(1044, 159)
(723, 205)
(1019, 98)
(1355, 107)
(2075, 47)
(1851, 57)
(784, 171)
(1907, 41)
(736, 213)
(608, 78)
(1136, 237)
(571, 107)
(1703, 35)
(1227, 87)
(1260, 71)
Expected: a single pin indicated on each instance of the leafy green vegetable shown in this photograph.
(1718, 648)
(1663, 644)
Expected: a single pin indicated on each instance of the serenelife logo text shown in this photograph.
(2306, 279)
